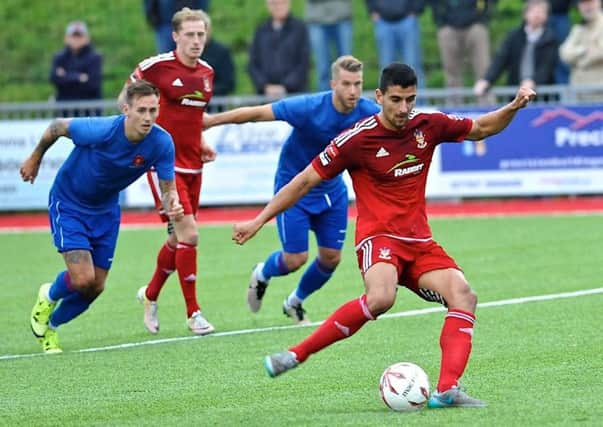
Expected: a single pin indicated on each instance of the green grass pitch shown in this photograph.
(538, 363)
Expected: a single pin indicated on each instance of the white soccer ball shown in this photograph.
(404, 387)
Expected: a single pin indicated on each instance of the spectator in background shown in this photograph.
(279, 57)
(583, 49)
(462, 34)
(159, 16)
(330, 27)
(559, 21)
(528, 54)
(77, 69)
(397, 31)
(219, 57)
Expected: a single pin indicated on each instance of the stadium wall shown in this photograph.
(549, 149)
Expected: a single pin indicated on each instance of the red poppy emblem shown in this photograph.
(138, 161)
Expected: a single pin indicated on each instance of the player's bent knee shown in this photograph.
(331, 262)
(295, 261)
(186, 231)
(190, 239)
(95, 288)
(471, 298)
(82, 281)
(380, 303)
(463, 297)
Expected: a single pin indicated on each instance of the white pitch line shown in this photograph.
(409, 313)
(512, 301)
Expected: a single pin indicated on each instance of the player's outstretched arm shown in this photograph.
(283, 200)
(30, 166)
(495, 121)
(257, 113)
(170, 200)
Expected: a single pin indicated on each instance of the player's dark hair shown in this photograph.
(140, 88)
(397, 74)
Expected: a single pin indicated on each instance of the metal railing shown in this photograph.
(436, 98)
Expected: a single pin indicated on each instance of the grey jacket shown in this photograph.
(328, 11)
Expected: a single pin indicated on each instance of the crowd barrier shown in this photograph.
(553, 147)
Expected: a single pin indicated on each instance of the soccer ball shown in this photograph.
(404, 387)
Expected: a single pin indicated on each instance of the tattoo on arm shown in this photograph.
(56, 129)
(168, 190)
(164, 187)
(59, 127)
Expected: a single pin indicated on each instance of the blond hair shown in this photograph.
(347, 63)
(188, 14)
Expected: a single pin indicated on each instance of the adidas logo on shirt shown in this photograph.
(382, 152)
(177, 82)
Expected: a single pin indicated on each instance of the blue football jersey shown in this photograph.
(315, 122)
(104, 162)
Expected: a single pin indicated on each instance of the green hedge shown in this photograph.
(32, 31)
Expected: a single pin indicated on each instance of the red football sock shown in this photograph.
(343, 323)
(166, 264)
(186, 264)
(455, 342)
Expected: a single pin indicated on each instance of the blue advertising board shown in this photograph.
(552, 150)
(538, 138)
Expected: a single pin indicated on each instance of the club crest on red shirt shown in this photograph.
(420, 138)
(206, 84)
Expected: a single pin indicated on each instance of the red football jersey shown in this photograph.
(389, 171)
(185, 92)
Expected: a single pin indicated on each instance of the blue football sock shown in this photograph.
(275, 265)
(61, 287)
(70, 307)
(312, 280)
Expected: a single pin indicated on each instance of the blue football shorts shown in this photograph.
(73, 229)
(325, 215)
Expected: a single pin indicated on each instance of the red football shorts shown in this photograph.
(410, 259)
(189, 189)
